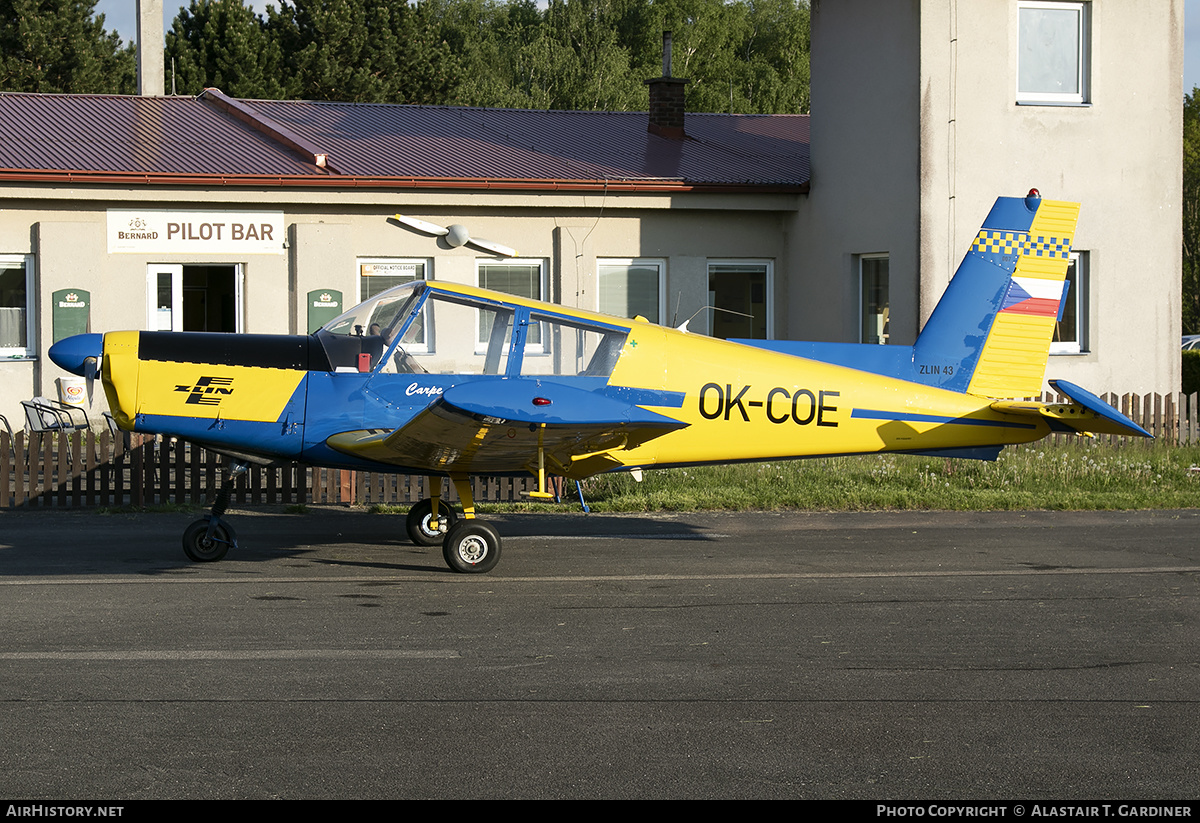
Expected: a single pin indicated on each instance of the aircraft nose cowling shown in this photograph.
(72, 353)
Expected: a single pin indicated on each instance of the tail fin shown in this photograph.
(990, 333)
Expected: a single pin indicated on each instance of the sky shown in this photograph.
(121, 15)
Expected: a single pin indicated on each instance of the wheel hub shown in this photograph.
(472, 549)
(429, 530)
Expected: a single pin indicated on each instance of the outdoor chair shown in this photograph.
(43, 414)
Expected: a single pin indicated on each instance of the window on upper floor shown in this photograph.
(1053, 53)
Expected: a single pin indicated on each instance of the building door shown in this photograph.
(195, 297)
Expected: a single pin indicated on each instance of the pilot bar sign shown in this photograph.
(164, 231)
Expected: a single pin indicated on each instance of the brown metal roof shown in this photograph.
(215, 140)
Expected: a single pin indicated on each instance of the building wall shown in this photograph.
(328, 234)
(865, 183)
(1119, 155)
(916, 129)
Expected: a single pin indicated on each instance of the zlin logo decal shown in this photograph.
(207, 391)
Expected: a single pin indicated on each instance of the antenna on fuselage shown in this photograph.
(683, 326)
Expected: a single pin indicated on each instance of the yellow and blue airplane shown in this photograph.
(451, 381)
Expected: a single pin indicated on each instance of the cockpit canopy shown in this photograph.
(418, 328)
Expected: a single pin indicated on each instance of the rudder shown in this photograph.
(990, 333)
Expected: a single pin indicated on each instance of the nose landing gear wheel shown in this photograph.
(202, 547)
(471, 547)
(418, 527)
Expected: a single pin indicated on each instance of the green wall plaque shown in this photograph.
(71, 313)
(323, 306)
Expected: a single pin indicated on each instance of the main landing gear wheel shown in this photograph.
(203, 547)
(471, 547)
(419, 516)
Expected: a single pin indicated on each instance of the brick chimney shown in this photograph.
(667, 104)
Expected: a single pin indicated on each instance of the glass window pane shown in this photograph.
(630, 289)
(1067, 329)
(738, 295)
(13, 327)
(519, 279)
(524, 280)
(875, 308)
(1050, 51)
(1071, 332)
(379, 276)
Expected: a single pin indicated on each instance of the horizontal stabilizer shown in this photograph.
(1091, 402)
(1086, 414)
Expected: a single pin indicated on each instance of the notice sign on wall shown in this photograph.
(163, 231)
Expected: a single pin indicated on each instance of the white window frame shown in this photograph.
(360, 278)
(176, 272)
(1082, 95)
(1081, 299)
(769, 266)
(543, 288)
(25, 352)
(862, 294)
(643, 262)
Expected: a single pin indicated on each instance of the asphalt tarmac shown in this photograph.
(920, 656)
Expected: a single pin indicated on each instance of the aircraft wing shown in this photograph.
(494, 427)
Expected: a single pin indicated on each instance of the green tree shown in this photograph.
(59, 46)
(485, 38)
(578, 62)
(1191, 213)
(223, 43)
(362, 51)
(747, 56)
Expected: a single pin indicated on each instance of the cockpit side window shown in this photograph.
(573, 347)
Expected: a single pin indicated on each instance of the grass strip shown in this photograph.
(1083, 475)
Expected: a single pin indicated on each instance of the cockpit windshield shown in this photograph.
(357, 339)
(416, 329)
(382, 314)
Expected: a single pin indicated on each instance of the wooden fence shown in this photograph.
(90, 469)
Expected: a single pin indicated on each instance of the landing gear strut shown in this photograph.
(469, 545)
(210, 537)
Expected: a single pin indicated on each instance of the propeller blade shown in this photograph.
(494, 248)
(422, 225)
(91, 367)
